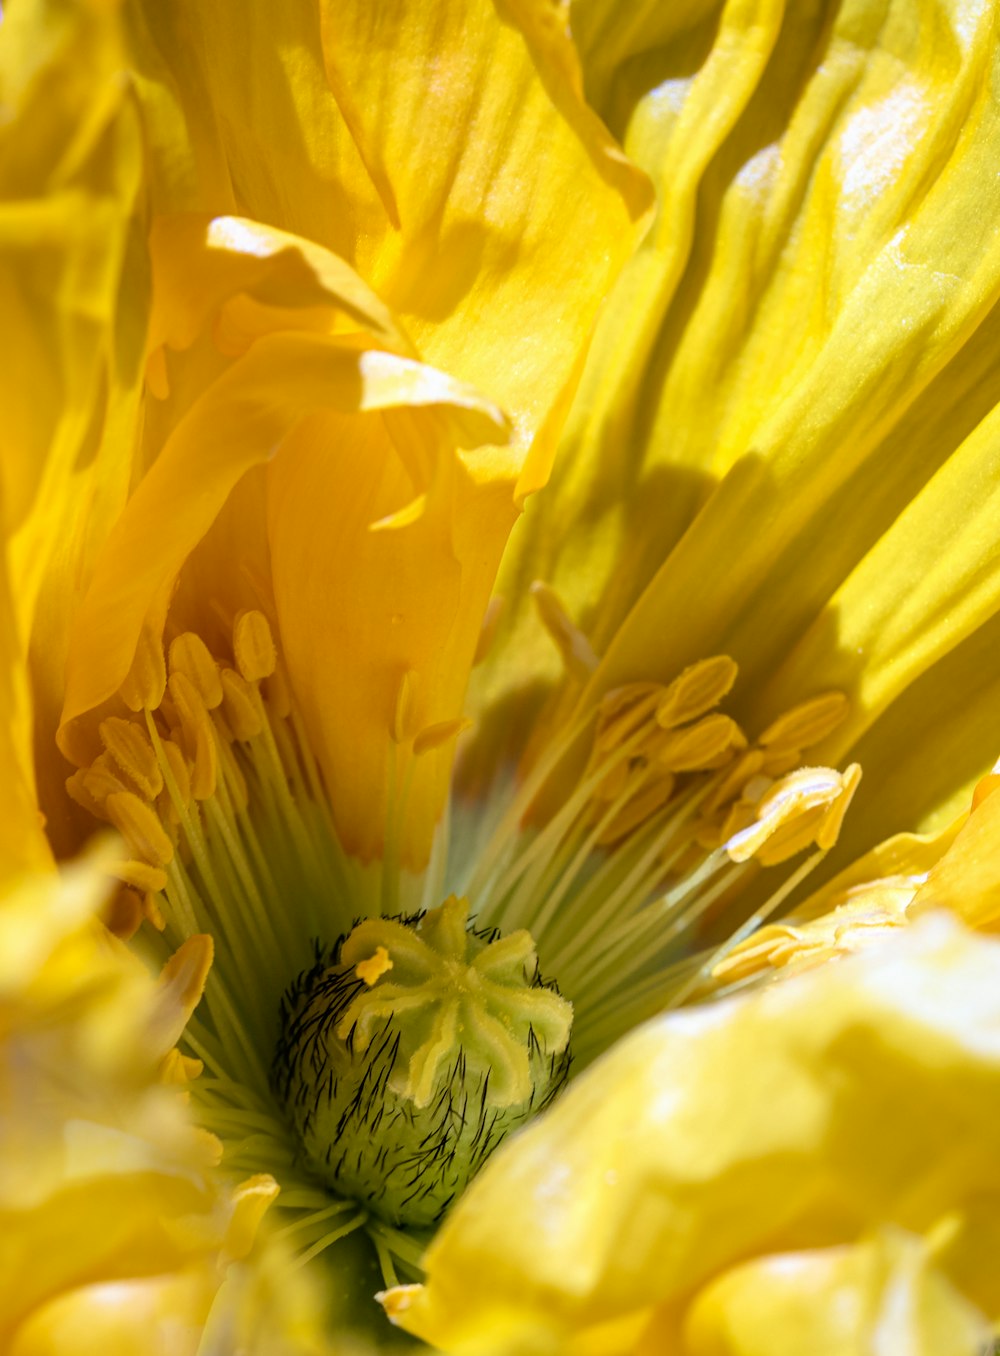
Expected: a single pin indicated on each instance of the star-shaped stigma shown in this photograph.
(453, 991)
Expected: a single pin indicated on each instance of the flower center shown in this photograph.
(411, 1051)
(401, 1056)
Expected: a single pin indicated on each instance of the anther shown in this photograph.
(132, 752)
(805, 807)
(140, 875)
(96, 783)
(372, 969)
(577, 653)
(696, 690)
(807, 724)
(253, 646)
(140, 827)
(199, 736)
(177, 764)
(240, 709)
(146, 680)
(189, 655)
(638, 809)
(434, 736)
(699, 746)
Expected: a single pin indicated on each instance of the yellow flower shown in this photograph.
(301, 299)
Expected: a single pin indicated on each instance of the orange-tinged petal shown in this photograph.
(360, 609)
(243, 418)
(74, 293)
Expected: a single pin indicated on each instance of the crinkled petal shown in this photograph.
(709, 1137)
(445, 151)
(882, 1296)
(817, 373)
(238, 423)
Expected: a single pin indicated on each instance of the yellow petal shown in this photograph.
(243, 417)
(712, 1136)
(883, 1295)
(74, 292)
(816, 372)
(967, 877)
(446, 152)
(115, 1236)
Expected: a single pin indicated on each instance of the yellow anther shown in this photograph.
(790, 838)
(740, 815)
(434, 736)
(696, 690)
(191, 710)
(769, 947)
(199, 737)
(97, 782)
(253, 646)
(140, 875)
(179, 1069)
(833, 820)
(143, 687)
(250, 1201)
(239, 706)
(133, 754)
(178, 766)
(700, 745)
(190, 656)
(372, 969)
(623, 712)
(205, 767)
(638, 809)
(867, 912)
(152, 911)
(623, 698)
(805, 807)
(488, 629)
(140, 827)
(79, 790)
(807, 724)
(576, 650)
(278, 692)
(122, 915)
(402, 714)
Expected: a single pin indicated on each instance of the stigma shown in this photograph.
(411, 1050)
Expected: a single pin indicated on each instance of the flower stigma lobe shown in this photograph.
(400, 1089)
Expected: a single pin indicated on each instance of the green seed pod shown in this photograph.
(410, 1051)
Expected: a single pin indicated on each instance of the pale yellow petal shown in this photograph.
(881, 1296)
(710, 1136)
